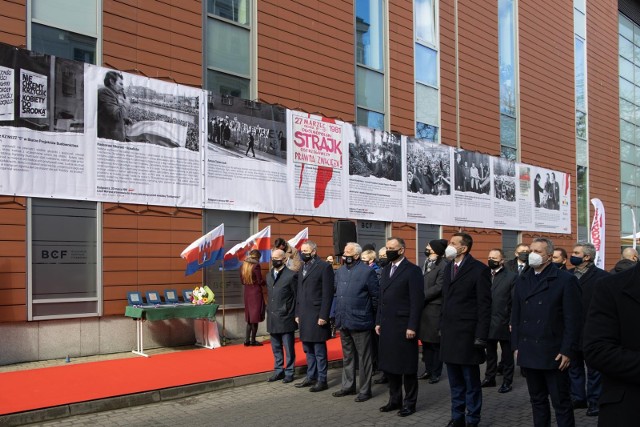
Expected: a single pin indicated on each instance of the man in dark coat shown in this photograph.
(113, 108)
(545, 319)
(398, 318)
(430, 320)
(560, 258)
(502, 284)
(356, 301)
(519, 264)
(612, 346)
(464, 329)
(314, 297)
(281, 323)
(588, 274)
(629, 260)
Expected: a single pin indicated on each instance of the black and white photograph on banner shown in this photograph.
(242, 128)
(546, 190)
(504, 179)
(428, 168)
(132, 111)
(41, 92)
(471, 172)
(375, 153)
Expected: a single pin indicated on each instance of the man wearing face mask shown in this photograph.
(356, 302)
(398, 318)
(559, 258)
(520, 263)
(314, 297)
(464, 328)
(281, 324)
(545, 322)
(588, 274)
(502, 284)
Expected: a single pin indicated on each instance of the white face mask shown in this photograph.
(450, 252)
(535, 260)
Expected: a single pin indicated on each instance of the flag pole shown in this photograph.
(224, 310)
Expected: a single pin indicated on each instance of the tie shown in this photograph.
(304, 270)
(493, 275)
(455, 270)
(275, 274)
(520, 267)
(393, 270)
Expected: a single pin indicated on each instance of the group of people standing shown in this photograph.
(460, 309)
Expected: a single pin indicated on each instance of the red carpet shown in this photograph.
(42, 388)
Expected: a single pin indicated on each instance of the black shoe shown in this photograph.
(406, 411)
(471, 425)
(276, 377)
(505, 388)
(362, 397)
(593, 411)
(434, 380)
(256, 344)
(488, 383)
(319, 386)
(456, 423)
(306, 383)
(381, 380)
(287, 380)
(425, 376)
(247, 343)
(579, 404)
(389, 407)
(341, 393)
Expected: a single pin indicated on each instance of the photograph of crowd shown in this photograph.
(471, 172)
(504, 179)
(130, 113)
(546, 191)
(428, 168)
(375, 153)
(246, 128)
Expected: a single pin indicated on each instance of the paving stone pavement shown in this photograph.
(267, 404)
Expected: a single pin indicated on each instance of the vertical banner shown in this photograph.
(428, 186)
(246, 156)
(316, 166)
(376, 187)
(149, 139)
(472, 204)
(597, 234)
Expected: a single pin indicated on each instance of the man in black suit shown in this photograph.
(502, 284)
(464, 328)
(314, 297)
(545, 321)
(519, 264)
(612, 345)
(588, 274)
(398, 319)
(281, 323)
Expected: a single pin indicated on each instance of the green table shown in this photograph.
(165, 312)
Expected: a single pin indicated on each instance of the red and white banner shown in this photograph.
(598, 231)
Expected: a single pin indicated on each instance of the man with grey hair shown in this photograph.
(545, 320)
(588, 274)
(356, 304)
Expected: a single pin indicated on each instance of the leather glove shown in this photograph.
(480, 343)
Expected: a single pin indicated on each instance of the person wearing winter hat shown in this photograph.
(430, 318)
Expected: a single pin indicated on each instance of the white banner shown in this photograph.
(7, 93)
(597, 232)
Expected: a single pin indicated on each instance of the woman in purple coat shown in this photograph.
(254, 307)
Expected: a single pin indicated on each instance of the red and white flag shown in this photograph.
(300, 238)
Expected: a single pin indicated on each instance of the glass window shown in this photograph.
(428, 132)
(626, 48)
(510, 240)
(425, 21)
(628, 194)
(426, 65)
(426, 233)
(579, 23)
(509, 153)
(628, 173)
(427, 106)
(627, 131)
(228, 47)
(72, 15)
(580, 66)
(626, 27)
(369, 33)
(630, 153)
(627, 111)
(580, 5)
(581, 124)
(636, 34)
(583, 203)
(636, 72)
(233, 10)
(626, 69)
(370, 119)
(225, 84)
(627, 89)
(370, 89)
(63, 44)
(508, 131)
(582, 152)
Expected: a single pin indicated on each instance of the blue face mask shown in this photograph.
(576, 260)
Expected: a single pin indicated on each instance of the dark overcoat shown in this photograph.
(399, 308)
(430, 318)
(466, 312)
(612, 346)
(545, 317)
(502, 287)
(281, 302)
(314, 298)
(587, 282)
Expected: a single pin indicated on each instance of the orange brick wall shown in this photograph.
(13, 259)
(13, 28)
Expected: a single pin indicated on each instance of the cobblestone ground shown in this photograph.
(277, 404)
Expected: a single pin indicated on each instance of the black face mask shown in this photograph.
(393, 255)
(305, 257)
(277, 263)
(348, 260)
(523, 256)
(558, 264)
(427, 252)
(383, 262)
(493, 264)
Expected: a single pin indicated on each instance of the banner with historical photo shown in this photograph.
(149, 139)
(44, 150)
(428, 185)
(317, 165)
(506, 195)
(246, 156)
(551, 200)
(472, 189)
(375, 174)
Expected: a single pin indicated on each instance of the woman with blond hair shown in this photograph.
(254, 307)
